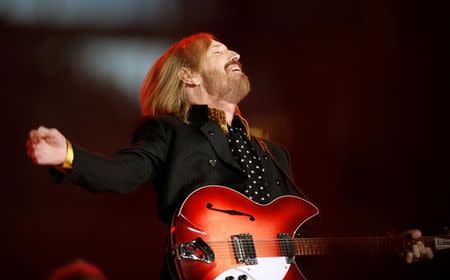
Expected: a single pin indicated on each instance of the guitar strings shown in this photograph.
(301, 247)
(311, 246)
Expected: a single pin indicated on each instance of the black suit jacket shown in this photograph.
(176, 157)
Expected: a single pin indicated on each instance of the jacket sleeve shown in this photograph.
(127, 169)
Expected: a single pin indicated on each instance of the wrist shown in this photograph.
(68, 161)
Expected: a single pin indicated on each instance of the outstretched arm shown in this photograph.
(123, 172)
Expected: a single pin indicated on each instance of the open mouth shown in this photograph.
(233, 67)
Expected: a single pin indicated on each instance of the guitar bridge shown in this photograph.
(196, 250)
(244, 249)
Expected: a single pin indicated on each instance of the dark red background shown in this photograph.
(357, 91)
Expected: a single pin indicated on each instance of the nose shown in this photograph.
(234, 56)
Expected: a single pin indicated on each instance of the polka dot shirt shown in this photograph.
(245, 154)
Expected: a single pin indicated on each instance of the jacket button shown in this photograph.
(277, 182)
(212, 162)
(211, 132)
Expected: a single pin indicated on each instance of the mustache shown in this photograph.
(233, 62)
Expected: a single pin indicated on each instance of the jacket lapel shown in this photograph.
(219, 142)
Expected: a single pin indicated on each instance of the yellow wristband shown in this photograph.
(69, 156)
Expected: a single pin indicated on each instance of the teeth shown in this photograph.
(234, 68)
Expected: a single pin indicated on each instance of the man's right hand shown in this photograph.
(46, 146)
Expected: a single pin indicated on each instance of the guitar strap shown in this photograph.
(266, 149)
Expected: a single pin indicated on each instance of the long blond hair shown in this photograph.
(162, 90)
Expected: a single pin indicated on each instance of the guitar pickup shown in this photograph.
(244, 248)
(286, 247)
(441, 243)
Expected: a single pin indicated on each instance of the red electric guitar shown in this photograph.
(218, 233)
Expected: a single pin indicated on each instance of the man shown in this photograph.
(192, 135)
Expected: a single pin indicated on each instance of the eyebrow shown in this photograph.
(215, 45)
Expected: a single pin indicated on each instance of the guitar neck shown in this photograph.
(354, 245)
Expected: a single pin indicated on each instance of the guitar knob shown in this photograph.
(242, 277)
(229, 278)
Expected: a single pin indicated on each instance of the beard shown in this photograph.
(227, 86)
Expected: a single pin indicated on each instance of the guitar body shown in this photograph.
(204, 215)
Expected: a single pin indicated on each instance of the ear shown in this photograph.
(189, 77)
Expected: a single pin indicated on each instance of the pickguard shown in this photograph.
(273, 268)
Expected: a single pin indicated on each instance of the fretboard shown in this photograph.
(352, 245)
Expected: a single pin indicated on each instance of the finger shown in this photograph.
(415, 233)
(30, 148)
(428, 253)
(421, 248)
(30, 144)
(30, 153)
(52, 136)
(416, 251)
(42, 131)
(409, 257)
(36, 152)
(34, 136)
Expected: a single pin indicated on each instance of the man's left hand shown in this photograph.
(418, 250)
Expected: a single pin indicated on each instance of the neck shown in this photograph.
(227, 107)
(198, 96)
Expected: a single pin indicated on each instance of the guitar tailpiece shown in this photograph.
(196, 250)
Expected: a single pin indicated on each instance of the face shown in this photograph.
(222, 74)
